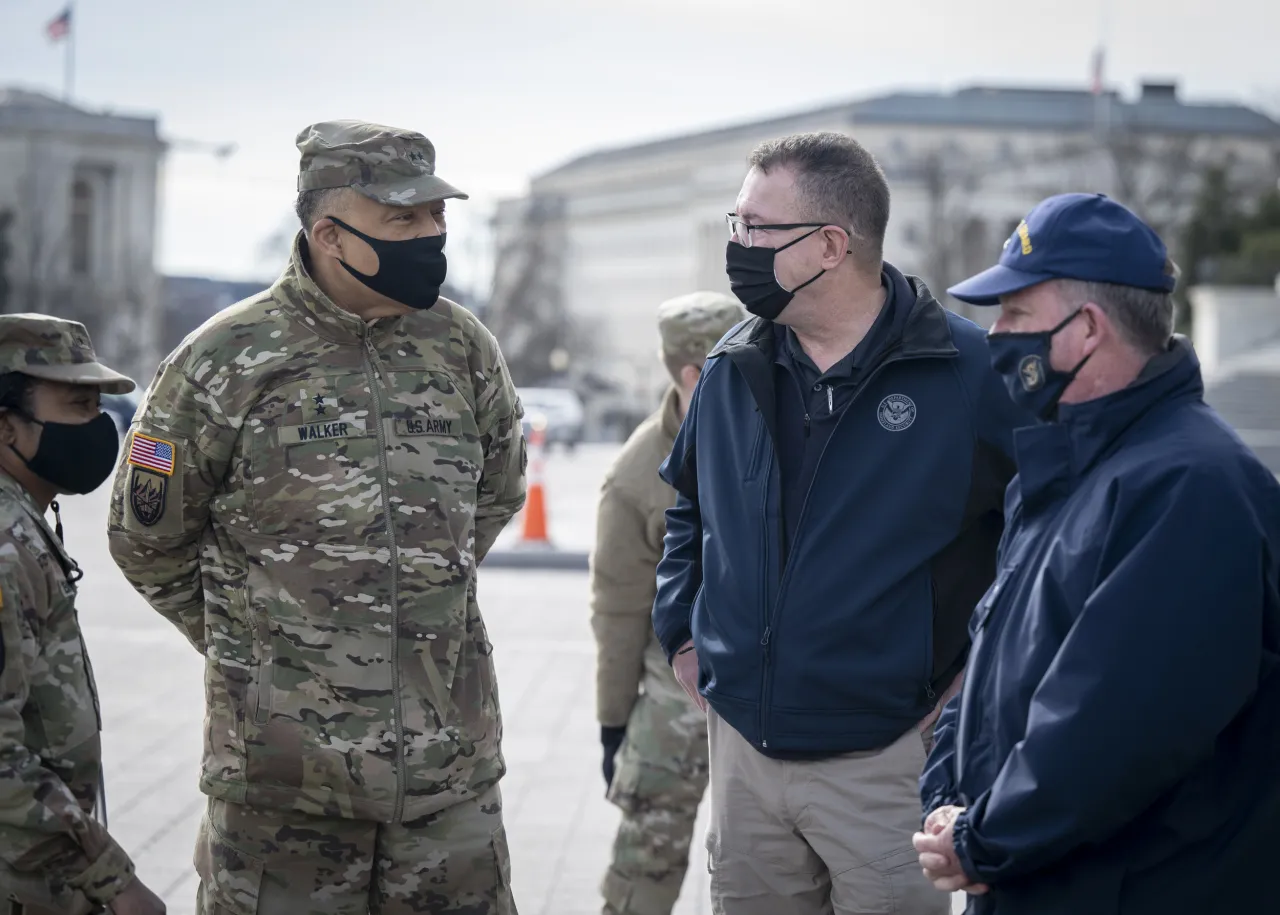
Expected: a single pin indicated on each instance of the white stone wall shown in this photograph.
(118, 296)
(1230, 321)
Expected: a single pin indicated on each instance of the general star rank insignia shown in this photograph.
(147, 495)
(317, 406)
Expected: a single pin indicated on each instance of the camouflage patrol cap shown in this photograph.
(53, 349)
(691, 325)
(386, 164)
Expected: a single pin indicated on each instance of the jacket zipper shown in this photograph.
(764, 588)
(928, 661)
(769, 639)
(969, 690)
(375, 371)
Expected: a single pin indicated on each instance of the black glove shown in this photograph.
(611, 739)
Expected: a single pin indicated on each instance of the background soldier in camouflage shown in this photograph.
(55, 853)
(308, 488)
(661, 768)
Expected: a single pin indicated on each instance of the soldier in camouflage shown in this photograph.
(654, 737)
(56, 855)
(310, 483)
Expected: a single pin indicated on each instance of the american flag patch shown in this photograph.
(151, 454)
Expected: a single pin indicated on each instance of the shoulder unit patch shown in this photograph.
(148, 492)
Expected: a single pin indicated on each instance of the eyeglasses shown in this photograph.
(740, 230)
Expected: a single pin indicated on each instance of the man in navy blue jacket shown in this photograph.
(1116, 747)
(840, 476)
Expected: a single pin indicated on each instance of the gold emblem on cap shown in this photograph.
(1024, 234)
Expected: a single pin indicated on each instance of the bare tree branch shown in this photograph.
(1156, 175)
(527, 310)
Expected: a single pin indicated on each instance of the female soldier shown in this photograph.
(55, 853)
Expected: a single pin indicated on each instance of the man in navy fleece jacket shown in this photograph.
(840, 476)
(1116, 748)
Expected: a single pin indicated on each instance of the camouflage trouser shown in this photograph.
(266, 862)
(659, 780)
(11, 906)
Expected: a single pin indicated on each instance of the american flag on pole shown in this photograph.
(151, 454)
(59, 27)
(1096, 82)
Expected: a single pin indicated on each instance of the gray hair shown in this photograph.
(838, 181)
(1144, 316)
(310, 204)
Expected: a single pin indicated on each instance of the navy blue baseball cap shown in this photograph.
(1074, 237)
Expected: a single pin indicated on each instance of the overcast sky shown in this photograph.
(507, 89)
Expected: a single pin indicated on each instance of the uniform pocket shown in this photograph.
(435, 461)
(260, 682)
(639, 787)
(62, 688)
(230, 880)
(637, 783)
(504, 903)
(315, 461)
(663, 761)
(757, 452)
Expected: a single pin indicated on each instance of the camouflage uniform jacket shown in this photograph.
(630, 526)
(54, 854)
(306, 496)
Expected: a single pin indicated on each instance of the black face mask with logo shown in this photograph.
(410, 271)
(1022, 360)
(74, 457)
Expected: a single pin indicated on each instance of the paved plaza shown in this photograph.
(559, 824)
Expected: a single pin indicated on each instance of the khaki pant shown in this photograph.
(829, 837)
(265, 862)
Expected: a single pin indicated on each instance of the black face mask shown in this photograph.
(754, 280)
(410, 272)
(1023, 361)
(75, 457)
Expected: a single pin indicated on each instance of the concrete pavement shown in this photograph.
(560, 827)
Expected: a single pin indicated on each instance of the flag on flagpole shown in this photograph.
(1096, 86)
(59, 27)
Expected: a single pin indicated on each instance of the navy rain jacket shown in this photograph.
(1117, 740)
(846, 644)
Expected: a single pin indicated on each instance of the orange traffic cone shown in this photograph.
(534, 532)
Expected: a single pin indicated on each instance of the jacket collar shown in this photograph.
(920, 326)
(1053, 456)
(309, 302)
